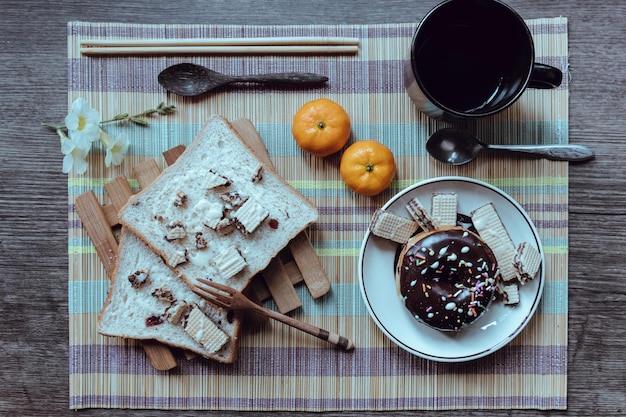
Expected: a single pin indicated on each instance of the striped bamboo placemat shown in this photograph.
(279, 368)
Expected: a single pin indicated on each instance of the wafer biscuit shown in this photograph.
(229, 262)
(175, 230)
(249, 216)
(420, 214)
(510, 292)
(204, 331)
(490, 228)
(175, 257)
(526, 262)
(390, 226)
(443, 209)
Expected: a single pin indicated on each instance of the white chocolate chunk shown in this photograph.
(225, 226)
(213, 213)
(212, 180)
(257, 173)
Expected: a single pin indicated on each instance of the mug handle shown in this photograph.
(544, 76)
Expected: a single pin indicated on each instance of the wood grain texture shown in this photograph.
(33, 197)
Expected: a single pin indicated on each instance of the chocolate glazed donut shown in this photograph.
(447, 277)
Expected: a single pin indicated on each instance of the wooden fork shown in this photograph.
(227, 297)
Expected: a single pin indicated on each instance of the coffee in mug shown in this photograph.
(472, 58)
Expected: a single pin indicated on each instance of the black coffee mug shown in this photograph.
(471, 59)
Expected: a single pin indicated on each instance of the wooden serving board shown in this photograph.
(297, 263)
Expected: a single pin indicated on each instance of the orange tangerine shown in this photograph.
(367, 167)
(321, 127)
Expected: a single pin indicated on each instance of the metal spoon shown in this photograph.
(188, 79)
(458, 147)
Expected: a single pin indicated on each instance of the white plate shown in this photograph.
(497, 327)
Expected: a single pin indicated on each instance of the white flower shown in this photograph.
(83, 127)
(115, 148)
(75, 155)
(83, 122)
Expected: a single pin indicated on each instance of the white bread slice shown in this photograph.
(185, 195)
(127, 308)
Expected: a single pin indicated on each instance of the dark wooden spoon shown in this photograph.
(188, 79)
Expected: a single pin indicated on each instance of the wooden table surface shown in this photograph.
(33, 191)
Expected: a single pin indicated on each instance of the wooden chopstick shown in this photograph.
(223, 50)
(224, 46)
(265, 41)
